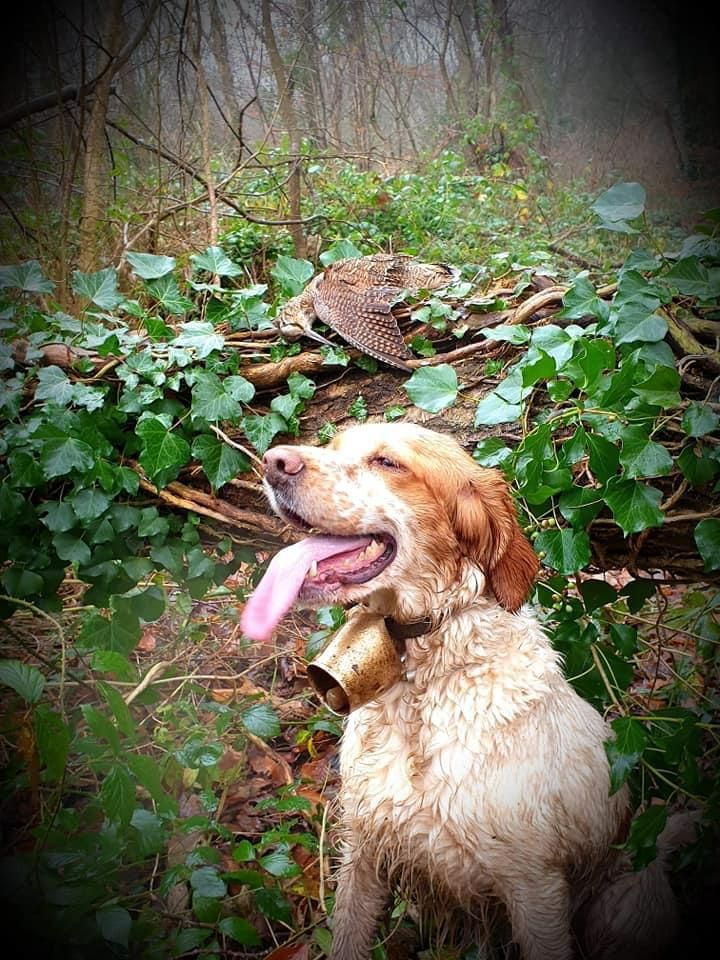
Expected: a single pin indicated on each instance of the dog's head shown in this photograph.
(401, 511)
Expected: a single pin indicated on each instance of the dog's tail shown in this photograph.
(636, 916)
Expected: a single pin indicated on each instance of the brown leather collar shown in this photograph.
(407, 631)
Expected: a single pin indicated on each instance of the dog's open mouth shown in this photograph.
(310, 569)
(357, 565)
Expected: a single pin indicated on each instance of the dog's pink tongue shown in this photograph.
(279, 588)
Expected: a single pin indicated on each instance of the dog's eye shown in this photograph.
(385, 463)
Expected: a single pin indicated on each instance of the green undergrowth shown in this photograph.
(117, 786)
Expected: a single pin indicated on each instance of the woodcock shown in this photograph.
(355, 298)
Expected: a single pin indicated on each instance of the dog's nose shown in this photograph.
(282, 462)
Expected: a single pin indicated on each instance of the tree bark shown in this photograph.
(94, 173)
(286, 109)
(205, 132)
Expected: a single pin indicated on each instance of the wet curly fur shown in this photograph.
(481, 785)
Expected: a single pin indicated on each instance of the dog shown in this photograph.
(479, 786)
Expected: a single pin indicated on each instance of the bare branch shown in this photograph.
(73, 91)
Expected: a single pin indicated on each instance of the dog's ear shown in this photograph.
(485, 523)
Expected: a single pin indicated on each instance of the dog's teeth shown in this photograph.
(313, 569)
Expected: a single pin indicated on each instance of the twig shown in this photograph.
(238, 446)
(38, 612)
(157, 668)
(179, 495)
(605, 679)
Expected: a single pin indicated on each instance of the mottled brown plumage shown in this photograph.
(355, 298)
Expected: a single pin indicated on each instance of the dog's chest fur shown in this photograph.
(445, 775)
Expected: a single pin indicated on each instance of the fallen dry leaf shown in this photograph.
(290, 951)
(265, 761)
(148, 640)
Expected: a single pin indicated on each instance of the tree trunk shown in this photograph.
(94, 173)
(205, 131)
(286, 109)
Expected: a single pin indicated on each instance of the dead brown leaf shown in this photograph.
(264, 760)
(290, 951)
(148, 640)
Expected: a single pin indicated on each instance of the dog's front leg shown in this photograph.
(359, 901)
(539, 909)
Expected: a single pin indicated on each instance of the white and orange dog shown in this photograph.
(479, 788)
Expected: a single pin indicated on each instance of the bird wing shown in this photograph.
(364, 318)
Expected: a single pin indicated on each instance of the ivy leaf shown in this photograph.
(101, 727)
(220, 461)
(114, 924)
(90, 504)
(340, 250)
(422, 346)
(565, 550)
(261, 720)
(698, 465)
(148, 604)
(596, 594)
(637, 592)
(641, 456)
(557, 342)
(432, 388)
(300, 386)
(200, 337)
(541, 367)
(260, 430)
(635, 506)
(27, 276)
(286, 405)
(240, 930)
(624, 638)
(189, 940)
(644, 831)
(100, 287)
(110, 661)
(581, 300)
(214, 260)
(699, 419)
(207, 882)
(60, 455)
(164, 453)
(661, 388)
(625, 751)
(580, 506)
(167, 293)
(493, 409)
(492, 452)
(624, 201)
(149, 774)
(514, 333)
(334, 356)
(634, 323)
(603, 456)
(53, 384)
(21, 582)
(279, 863)
(117, 795)
(150, 835)
(691, 278)
(243, 851)
(25, 680)
(150, 266)
(292, 274)
(707, 538)
(210, 399)
(241, 389)
(271, 903)
(53, 741)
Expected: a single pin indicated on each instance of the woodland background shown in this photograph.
(170, 174)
